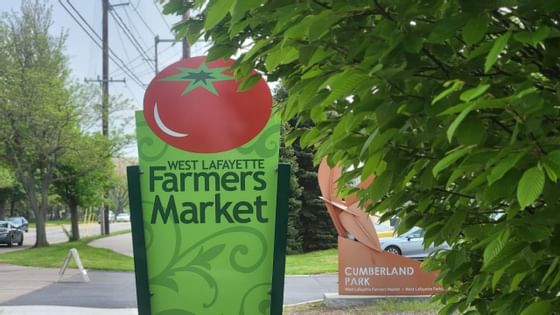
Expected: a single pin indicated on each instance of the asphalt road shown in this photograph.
(116, 290)
(108, 289)
(55, 234)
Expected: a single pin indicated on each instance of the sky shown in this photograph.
(141, 18)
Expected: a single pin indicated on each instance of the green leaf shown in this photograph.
(496, 277)
(322, 24)
(475, 29)
(249, 82)
(342, 84)
(472, 131)
(478, 104)
(504, 166)
(539, 307)
(453, 226)
(219, 51)
(476, 287)
(504, 257)
(279, 56)
(452, 86)
(530, 186)
(551, 268)
(473, 93)
(516, 281)
(446, 28)
(215, 12)
(455, 124)
(256, 49)
(532, 38)
(300, 29)
(495, 247)
(367, 143)
(449, 159)
(413, 43)
(551, 164)
(380, 185)
(499, 45)
(240, 7)
(370, 166)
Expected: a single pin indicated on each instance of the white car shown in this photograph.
(410, 244)
(123, 217)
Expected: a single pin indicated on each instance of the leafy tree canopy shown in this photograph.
(452, 105)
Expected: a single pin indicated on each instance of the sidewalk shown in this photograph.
(121, 243)
(34, 291)
(18, 280)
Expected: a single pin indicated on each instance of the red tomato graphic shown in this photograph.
(195, 106)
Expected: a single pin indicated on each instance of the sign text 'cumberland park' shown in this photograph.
(209, 199)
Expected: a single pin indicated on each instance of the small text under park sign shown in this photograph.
(209, 199)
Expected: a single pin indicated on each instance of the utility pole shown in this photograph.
(158, 40)
(186, 46)
(105, 100)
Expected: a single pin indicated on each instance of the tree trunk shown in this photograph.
(3, 209)
(12, 206)
(41, 213)
(40, 224)
(75, 220)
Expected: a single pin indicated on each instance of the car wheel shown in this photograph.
(393, 250)
(20, 243)
(11, 240)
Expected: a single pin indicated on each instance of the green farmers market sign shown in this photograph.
(208, 238)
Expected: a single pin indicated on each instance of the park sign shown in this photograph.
(209, 199)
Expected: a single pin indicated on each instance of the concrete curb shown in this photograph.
(64, 310)
(334, 300)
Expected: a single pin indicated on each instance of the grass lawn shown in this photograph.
(386, 306)
(52, 223)
(53, 256)
(322, 261)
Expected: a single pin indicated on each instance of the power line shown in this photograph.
(123, 46)
(142, 19)
(91, 32)
(113, 56)
(160, 14)
(131, 62)
(128, 34)
(134, 28)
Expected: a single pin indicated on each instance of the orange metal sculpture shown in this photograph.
(363, 267)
